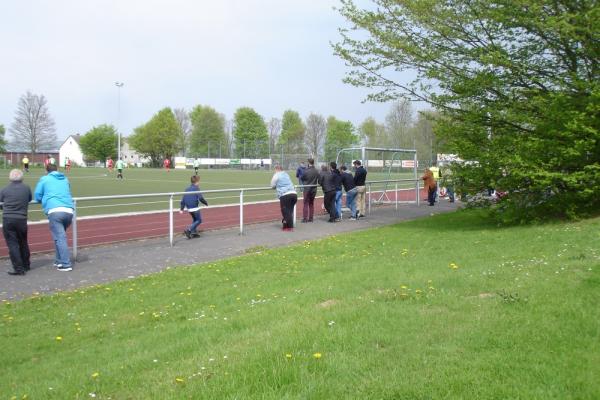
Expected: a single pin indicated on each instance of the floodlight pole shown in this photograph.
(119, 85)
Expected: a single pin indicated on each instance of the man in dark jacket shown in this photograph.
(360, 177)
(15, 198)
(309, 177)
(351, 191)
(192, 203)
(328, 181)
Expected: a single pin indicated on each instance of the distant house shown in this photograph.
(130, 156)
(70, 149)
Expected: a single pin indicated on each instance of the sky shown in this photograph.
(271, 55)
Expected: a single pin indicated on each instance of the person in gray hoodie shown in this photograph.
(286, 193)
(54, 192)
(15, 200)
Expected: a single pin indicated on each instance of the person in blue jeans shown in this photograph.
(351, 192)
(338, 191)
(192, 202)
(54, 192)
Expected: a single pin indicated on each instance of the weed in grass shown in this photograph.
(510, 298)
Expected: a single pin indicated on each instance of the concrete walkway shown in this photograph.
(130, 259)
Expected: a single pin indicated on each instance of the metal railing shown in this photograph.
(240, 191)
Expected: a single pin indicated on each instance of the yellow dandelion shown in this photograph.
(95, 375)
(179, 380)
(418, 291)
(403, 287)
(59, 338)
(288, 355)
(453, 266)
(317, 355)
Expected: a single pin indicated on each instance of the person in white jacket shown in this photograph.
(286, 193)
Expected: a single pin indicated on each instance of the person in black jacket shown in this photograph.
(351, 191)
(309, 177)
(15, 198)
(192, 203)
(328, 181)
(360, 177)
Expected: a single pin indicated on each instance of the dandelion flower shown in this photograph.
(317, 355)
(179, 380)
(95, 375)
(58, 338)
(288, 355)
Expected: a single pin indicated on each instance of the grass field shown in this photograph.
(87, 182)
(449, 306)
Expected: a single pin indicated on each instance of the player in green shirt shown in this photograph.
(120, 165)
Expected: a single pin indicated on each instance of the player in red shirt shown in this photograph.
(109, 164)
(68, 164)
(167, 164)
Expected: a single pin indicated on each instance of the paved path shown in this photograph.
(129, 259)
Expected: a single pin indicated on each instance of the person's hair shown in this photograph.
(194, 179)
(311, 161)
(278, 166)
(333, 165)
(343, 168)
(16, 175)
(51, 167)
(323, 167)
(356, 162)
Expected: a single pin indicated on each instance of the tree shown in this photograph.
(373, 133)
(33, 128)
(157, 138)
(314, 138)
(292, 132)
(99, 143)
(183, 120)
(274, 128)
(517, 85)
(2, 139)
(340, 134)
(398, 125)
(250, 133)
(208, 132)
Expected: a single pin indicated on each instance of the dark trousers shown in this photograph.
(15, 234)
(287, 204)
(309, 205)
(431, 195)
(329, 202)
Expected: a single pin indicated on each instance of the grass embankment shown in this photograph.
(444, 307)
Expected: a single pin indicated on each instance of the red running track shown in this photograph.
(105, 230)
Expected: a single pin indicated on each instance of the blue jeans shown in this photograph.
(338, 204)
(196, 220)
(351, 201)
(59, 223)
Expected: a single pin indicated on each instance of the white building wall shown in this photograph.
(70, 148)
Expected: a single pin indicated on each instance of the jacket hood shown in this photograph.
(57, 175)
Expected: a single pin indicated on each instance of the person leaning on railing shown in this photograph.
(15, 200)
(360, 177)
(286, 193)
(310, 178)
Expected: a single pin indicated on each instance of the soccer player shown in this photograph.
(120, 165)
(167, 164)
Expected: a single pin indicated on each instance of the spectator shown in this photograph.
(192, 203)
(54, 192)
(448, 182)
(328, 181)
(338, 192)
(351, 192)
(300, 171)
(360, 177)
(287, 196)
(431, 186)
(15, 198)
(309, 177)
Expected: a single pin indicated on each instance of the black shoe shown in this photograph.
(15, 272)
(331, 220)
(195, 234)
(361, 216)
(187, 234)
(304, 221)
(27, 268)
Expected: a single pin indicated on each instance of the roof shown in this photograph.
(76, 137)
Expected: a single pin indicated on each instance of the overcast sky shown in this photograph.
(271, 55)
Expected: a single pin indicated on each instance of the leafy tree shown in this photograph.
(340, 134)
(33, 127)
(99, 143)
(208, 132)
(517, 85)
(183, 120)
(314, 138)
(373, 133)
(274, 128)
(158, 138)
(399, 122)
(2, 139)
(292, 132)
(250, 133)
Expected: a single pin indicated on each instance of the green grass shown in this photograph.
(87, 182)
(443, 307)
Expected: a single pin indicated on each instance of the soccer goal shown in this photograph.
(392, 173)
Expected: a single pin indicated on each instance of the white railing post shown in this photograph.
(74, 229)
(396, 196)
(369, 198)
(242, 212)
(418, 193)
(294, 224)
(171, 219)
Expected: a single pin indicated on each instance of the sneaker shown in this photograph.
(338, 219)
(64, 268)
(362, 215)
(16, 272)
(187, 234)
(195, 234)
(353, 219)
